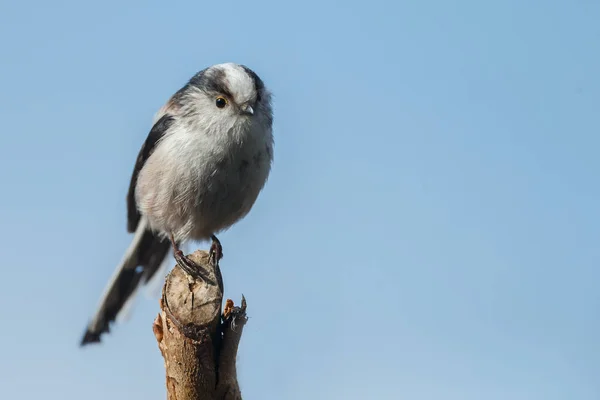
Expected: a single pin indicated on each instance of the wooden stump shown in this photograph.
(199, 343)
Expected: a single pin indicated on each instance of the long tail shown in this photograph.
(142, 260)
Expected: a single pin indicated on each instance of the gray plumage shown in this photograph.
(199, 172)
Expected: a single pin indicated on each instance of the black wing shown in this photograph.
(146, 250)
(156, 133)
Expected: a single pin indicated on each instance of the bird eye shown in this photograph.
(221, 102)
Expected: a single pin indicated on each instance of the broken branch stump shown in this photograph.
(198, 343)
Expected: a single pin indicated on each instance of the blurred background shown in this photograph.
(430, 229)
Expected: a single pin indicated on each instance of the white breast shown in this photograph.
(197, 183)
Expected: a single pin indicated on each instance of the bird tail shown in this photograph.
(141, 261)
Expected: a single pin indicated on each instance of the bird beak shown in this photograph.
(247, 109)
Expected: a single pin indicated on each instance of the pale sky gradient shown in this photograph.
(430, 230)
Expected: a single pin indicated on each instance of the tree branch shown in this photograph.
(198, 344)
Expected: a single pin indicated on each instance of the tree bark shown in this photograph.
(199, 343)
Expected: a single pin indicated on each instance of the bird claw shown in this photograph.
(216, 251)
(187, 265)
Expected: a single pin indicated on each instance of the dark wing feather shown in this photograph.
(156, 133)
(146, 250)
(149, 253)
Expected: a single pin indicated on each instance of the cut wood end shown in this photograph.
(200, 257)
(193, 301)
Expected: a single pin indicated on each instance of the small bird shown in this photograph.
(200, 170)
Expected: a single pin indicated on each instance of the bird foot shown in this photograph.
(188, 266)
(216, 251)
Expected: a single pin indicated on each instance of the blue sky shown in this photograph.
(429, 231)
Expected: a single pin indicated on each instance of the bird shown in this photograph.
(200, 170)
